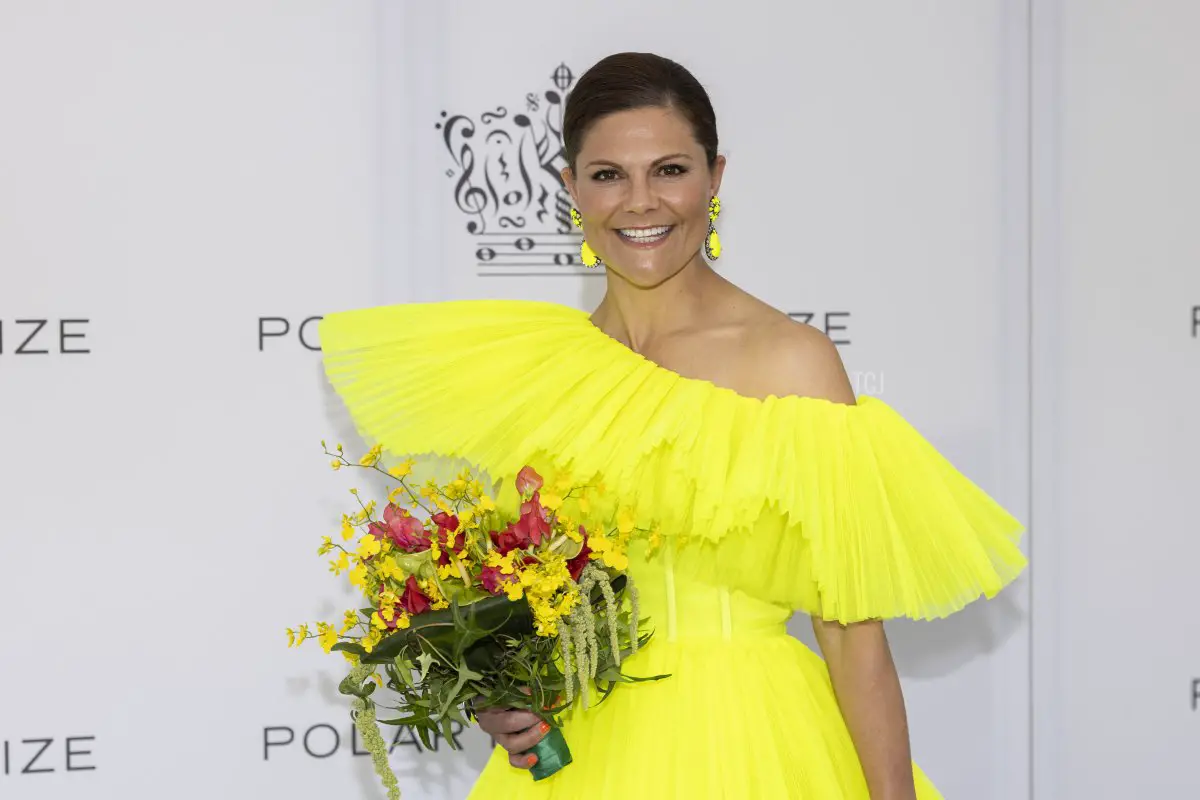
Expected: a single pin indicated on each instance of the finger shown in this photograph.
(522, 760)
(520, 742)
(505, 722)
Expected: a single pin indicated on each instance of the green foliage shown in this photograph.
(450, 662)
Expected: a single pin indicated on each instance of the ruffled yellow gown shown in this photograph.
(765, 507)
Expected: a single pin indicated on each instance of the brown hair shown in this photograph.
(625, 81)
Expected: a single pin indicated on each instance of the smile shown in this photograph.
(645, 237)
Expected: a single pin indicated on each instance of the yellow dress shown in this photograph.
(765, 507)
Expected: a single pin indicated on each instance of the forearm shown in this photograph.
(868, 691)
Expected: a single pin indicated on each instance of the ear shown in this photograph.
(568, 179)
(718, 172)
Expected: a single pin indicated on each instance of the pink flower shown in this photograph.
(528, 481)
(405, 531)
(494, 581)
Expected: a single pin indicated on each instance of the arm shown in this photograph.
(860, 662)
(868, 693)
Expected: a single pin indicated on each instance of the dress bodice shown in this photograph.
(683, 606)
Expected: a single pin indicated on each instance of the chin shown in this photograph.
(647, 275)
(645, 267)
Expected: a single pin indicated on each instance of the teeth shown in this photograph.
(644, 233)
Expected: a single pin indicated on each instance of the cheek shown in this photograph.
(598, 202)
(689, 202)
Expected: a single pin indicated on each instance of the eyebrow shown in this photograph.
(655, 163)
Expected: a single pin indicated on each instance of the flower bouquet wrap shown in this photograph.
(467, 606)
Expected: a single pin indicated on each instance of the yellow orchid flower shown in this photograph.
(402, 469)
(369, 546)
(372, 456)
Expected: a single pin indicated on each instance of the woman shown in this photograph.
(732, 427)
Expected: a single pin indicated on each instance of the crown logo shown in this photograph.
(506, 179)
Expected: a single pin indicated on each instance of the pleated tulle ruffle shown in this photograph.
(879, 524)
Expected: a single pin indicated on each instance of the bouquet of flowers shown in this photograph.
(468, 607)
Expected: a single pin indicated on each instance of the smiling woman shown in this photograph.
(640, 138)
(765, 486)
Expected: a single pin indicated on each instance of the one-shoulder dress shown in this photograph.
(764, 507)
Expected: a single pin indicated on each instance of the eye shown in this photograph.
(604, 175)
(673, 170)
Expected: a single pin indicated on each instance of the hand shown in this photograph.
(514, 730)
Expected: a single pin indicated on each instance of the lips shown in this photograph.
(645, 236)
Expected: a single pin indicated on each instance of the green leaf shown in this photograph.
(491, 616)
(350, 647)
(566, 546)
(448, 732)
(464, 674)
(425, 660)
(403, 670)
(423, 733)
(419, 564)
(455, 714)
(466, 595)
(485, 655)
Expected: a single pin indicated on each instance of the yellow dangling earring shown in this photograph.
(586, 254)
(712, 242)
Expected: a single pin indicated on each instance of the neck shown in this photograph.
(639, 316)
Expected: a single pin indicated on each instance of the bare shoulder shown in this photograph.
(794, 358)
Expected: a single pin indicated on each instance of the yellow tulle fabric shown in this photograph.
(766, 506)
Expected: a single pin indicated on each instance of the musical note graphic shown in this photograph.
(529, 255)
(507, 180)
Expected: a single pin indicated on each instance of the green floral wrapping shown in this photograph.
(552, 754)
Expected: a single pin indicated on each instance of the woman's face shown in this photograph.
(642, 184)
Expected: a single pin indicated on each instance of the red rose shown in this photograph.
(445, 522)
(414, 601)
(575, 565)
(448, 545)
(509, 539)
(528, 481)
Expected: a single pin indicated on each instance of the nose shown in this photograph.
(641, 197)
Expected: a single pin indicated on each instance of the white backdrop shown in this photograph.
(185, 187)
(1117, 374)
